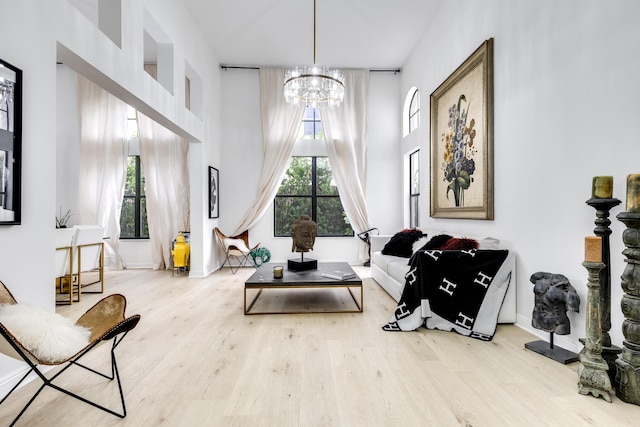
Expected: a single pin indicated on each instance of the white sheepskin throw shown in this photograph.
(238, 243)
(48, 336)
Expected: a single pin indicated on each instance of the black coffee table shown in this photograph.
(263, 279)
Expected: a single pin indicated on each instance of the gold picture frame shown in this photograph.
(462, 140)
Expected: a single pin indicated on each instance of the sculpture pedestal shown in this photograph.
(302, 264)
(549, 350)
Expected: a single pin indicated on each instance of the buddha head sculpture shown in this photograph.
(554, 295)
(303, 233)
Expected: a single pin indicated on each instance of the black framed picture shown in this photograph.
(214, 192)
(10, 143)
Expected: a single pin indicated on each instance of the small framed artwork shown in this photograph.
(214, 193)
(462, 140)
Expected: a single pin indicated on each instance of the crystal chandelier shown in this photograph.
(315, 86)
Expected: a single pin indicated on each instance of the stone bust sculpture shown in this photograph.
(554, 295)
(303, 233)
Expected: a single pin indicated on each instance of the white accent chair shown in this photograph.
(65, 242)
(88, 258)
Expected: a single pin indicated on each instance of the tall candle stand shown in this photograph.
(603, 206)
(627, 380)
(592, 372)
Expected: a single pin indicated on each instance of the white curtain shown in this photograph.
(280, 125)
(345, 134)
(102, 169)
(164, 161)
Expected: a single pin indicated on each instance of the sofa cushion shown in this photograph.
(397, 270)
(382, 261)
(401, 243)
(436, 242)
(459, 244)
(418, 244)
(489, 243)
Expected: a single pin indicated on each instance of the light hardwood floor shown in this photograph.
(196, 360)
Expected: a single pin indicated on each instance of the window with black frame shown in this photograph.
(414, 188)
(308, 188)
(133, 215)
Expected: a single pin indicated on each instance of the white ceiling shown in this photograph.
(375, 34)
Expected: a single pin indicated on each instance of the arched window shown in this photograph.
(411, 111)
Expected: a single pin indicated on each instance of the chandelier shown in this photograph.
(315, 86)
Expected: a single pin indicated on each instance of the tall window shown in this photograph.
(411, 111)
(414, 188)
(133, 216)
(414, 111)
(308, 187)
(311, 126)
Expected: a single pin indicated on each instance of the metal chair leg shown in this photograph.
(48, 382)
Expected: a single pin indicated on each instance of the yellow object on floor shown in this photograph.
(180, 253)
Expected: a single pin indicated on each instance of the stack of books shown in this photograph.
(339, 275)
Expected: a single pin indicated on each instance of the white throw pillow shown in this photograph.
(48, 336)
(489, 243)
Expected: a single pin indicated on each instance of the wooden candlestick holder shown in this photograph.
(593, 370)
(609, 352)
(627, 380)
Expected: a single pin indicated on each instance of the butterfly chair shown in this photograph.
(236, 248)
(39, 337)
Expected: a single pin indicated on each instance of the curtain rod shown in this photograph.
(242, 67)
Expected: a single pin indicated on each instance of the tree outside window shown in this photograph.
(308, 188)
(133, 215)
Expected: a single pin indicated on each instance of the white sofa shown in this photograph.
(389, 270)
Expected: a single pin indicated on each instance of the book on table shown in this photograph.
(339, 275)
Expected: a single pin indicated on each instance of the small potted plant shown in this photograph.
(61, 220)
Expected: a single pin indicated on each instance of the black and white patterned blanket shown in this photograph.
(453, 290)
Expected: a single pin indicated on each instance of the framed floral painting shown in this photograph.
(462, 140)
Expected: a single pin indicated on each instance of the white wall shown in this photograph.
(27, 250)
(120, 72)
(565, 105)
(46, 31)
(242, 165)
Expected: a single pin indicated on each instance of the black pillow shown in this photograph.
(436, 242)
(401, 243)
